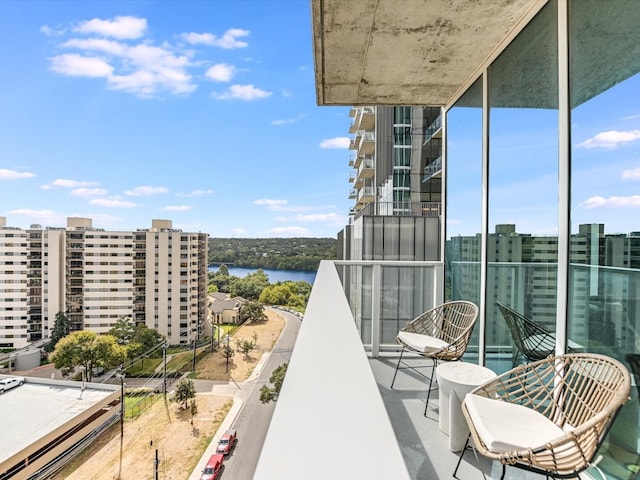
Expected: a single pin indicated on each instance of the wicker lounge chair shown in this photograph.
(442, 333)
(532, 341)
(549, 416)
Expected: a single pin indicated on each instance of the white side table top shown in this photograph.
(463, 375)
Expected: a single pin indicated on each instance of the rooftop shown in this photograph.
(40, 407)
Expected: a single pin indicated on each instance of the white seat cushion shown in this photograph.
(421, 343)
(504, 427)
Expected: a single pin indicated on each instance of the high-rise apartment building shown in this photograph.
(397, 185)
(155, 276)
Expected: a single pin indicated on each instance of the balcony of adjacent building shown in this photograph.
(433, 130)
(432, 170)
(413, 209)
(354, 313)
(365, 195)
(366, 169)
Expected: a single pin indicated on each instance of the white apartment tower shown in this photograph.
(156, 276)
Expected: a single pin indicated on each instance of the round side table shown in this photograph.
(455, 380)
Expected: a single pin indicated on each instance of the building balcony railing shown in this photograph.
(432, 170)
(415, 209)
(434, 130)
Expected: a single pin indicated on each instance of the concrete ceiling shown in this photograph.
(409, 52)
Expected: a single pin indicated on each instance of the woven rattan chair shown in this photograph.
(532, 341)
(549, 416)
(442, 333)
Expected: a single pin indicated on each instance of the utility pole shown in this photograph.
(226, 353)
(193, 368)
(164, 369)
(120, 375)
(156, 462)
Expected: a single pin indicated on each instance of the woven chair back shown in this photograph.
(581, 393)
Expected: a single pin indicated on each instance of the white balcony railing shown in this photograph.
(329, 394)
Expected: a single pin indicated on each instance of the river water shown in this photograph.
(274, 275)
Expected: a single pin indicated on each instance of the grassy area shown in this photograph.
(135, 405)
(144, 367)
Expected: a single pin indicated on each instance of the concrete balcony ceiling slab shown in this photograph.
(422, 52)
(413, 52)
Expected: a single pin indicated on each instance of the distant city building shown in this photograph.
(155, 276)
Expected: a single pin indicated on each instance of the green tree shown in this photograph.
(277, 294)
(61, 328)
(123, 330)
(223, 271)
(87, 350)
(246, 346)
(253, 312)
(147, 337)
(268, 394)
(251, 286)
(185, 391)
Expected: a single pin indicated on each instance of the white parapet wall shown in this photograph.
(330, 420)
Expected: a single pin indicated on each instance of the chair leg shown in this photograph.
(397, 366)
(466, 444)
(433, 372)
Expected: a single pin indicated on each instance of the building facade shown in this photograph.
(155, 276)
(397, 184)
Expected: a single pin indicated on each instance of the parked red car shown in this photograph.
(227, 442)
(213, 468)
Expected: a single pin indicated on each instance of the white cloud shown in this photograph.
(242, 92)
(269, 202)
(631, 174)
(6, 174)
(176, 208)
(66, 183)
(337, 142)
(46, 217)
(97, 44)
(88, 192)
(289, 121)
(113, 202)
(119, 27)
(79, 66)
(221, 72)
(238, 231)
(146, 190)
(612, 202)
(289, 232)
(229, 39)
(141, 69)
(196, 193)
(611, 139)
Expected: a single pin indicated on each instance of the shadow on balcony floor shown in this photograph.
(424, 447)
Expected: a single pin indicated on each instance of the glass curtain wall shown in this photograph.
(525, 197)
(464, 200)
(604, 274)
(522, 252)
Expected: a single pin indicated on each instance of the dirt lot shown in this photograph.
(169, 430)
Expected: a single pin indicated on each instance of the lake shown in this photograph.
(274, 275)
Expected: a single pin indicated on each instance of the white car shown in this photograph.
(8, 383)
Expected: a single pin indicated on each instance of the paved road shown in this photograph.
(249, 416)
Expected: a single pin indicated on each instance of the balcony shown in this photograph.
(366, 118)
(338, 384)
(433, 170)
(367, 143)
(366, 169)
(434, 130)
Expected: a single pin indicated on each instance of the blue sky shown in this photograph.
(201, 112)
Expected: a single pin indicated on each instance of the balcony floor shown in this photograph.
(424, 447)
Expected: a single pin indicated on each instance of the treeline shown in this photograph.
(279, 253)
